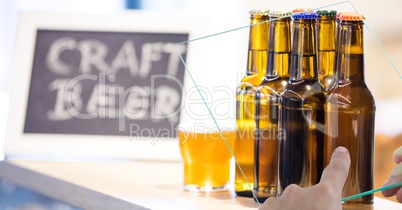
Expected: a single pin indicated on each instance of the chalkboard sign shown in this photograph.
(101, 86)
(106, 83)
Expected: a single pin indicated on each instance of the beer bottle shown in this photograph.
(337, 27)
(299, 10)
(350, 110)
(326, 48)
(301, 110)
(336, 41)
(267, 105)
(245, 103)
(328, 149)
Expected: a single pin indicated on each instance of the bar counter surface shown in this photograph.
(125, 185)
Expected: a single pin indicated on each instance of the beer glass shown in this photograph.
(206, 156)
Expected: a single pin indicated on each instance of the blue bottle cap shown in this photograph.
(305, 16)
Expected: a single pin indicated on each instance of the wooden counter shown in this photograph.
(125, 185)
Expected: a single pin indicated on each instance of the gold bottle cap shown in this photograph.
(280, 14)
(262, 12)
(351, 17)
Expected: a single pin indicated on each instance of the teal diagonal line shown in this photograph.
(243, 27)
(215, 122)
(371, 33)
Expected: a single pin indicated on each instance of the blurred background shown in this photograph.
(227, 54)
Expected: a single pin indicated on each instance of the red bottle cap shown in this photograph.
(340, 13)
(351, 17)
(302, 10)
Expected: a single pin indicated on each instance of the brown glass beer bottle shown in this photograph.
(326, 48)
(350, 110)
(267, 105)
(302, 110)
(245, 102)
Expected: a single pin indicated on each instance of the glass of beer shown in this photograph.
(206, 157)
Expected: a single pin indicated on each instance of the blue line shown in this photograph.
(223, 32)
(330, 5)
(220, 131)
(243, 27)
(371, 33)
(372, 191)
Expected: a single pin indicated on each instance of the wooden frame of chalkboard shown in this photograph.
(71, 70)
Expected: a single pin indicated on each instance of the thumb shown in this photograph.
(336, 172)
(398, 155)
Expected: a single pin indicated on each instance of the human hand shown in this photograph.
(325, 195)
(395, 177)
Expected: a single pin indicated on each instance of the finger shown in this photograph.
(336, 172)
(399, 195)
(291, 190)
(398, 155)
(293, 196)
(394, 177)
(390, 192)
(271, 203)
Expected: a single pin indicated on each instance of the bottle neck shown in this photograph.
(337, 31)
(326, 36)
(279, 48)
(350, 62)
(326, 45)
(257, 48)
(304, 55)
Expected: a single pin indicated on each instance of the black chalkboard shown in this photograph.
(106, 83)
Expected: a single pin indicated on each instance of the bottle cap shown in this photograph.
(280, 14)
(263, 12)
(326, 13)
(351, 17)
(340, 13)
(302, 10)
(305, 16)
